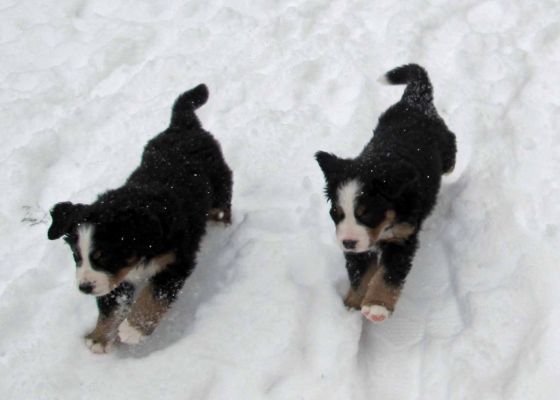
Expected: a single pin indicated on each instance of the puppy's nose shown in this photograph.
(87, 287)
(349, 244)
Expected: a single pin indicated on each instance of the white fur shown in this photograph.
(98, 348)
(128, 334)
(85, 273)
(348, 228)
(141, 273)
(386, 234)
(376, 313)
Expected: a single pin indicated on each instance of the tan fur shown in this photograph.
(355, 296)
(401, 232)
(147, 311)
(105, 330)
(375, 233)
(380, 293)
(165, 259)
(116, 280)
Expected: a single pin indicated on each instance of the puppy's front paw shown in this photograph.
(129, 334)
(353, 299)
(97, 346)
(375, 313)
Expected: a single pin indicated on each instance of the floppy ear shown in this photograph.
(392, 182)
(329, 163)
(64, 218)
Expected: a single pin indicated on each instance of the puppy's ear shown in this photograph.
(394, 180)
(64, 217)
(329, 163)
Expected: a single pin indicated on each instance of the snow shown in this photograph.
(84, 85)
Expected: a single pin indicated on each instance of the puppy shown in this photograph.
(381, 198)
(135, 246)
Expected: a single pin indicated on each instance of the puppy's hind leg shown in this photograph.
(222, 185)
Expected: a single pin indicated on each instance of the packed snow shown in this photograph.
(86, 83)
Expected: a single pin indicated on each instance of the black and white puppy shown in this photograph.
(381, 198)
(135, 246)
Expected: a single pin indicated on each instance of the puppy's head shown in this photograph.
(362, 199)
(106, 243)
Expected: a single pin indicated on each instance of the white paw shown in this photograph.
(375, 313)
(128, 334)
(98, 347)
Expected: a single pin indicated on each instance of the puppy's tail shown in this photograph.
(186, 104)
(419, 91)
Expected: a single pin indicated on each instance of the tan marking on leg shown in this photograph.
(147, 311)
(105, 330)
(355, 296)
(375, 233)
(380, 293)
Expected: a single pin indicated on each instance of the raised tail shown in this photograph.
(419, 91)
(186, 104)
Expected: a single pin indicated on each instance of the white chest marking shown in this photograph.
(142, 272)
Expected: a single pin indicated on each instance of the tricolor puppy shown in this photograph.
(135, 245)
(380, 198)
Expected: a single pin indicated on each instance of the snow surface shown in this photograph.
(84, 85)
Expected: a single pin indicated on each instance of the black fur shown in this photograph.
(121, 296)
(400, 169)
(357, 265)
(162, 208)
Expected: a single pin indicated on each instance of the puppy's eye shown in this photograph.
(336, 213)
(361, 211)
(96, 256)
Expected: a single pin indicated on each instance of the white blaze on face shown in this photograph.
(85, 274)
(348, 228)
